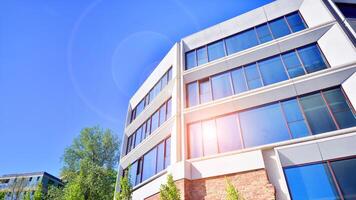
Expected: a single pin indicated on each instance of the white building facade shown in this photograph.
(266, 100)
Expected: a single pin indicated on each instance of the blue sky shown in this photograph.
(66, 65)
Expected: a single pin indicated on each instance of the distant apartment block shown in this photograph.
(266, 99)
(16, 186)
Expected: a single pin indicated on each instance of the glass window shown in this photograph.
(149, 164)
(169, 74)
(167, 159)
(147, 100)
(340, 109)
(138, 136)
(253, 77)
(271, 125)
(263, 33)
(195, 140)
(157, 89)
(162, 114)
(311, 58)
(279, 28)
(295, 22)
(169, 108)
(293, 65)
(238, 80)
(210, 141)
(139, 171)
(202, 56)
(154, 121)
(190, 60)
(241, 41)
(344, 171)
(140, 107)
(347, 9)
(144, 130)
(192, 93)
(129, 143)
(221, 85)
(295, 120)
(152, 94)
(216, 50)
(310, 182)
(160, 157)
(204, 91)
(164, 80)
(272, 70)
(228, 133)
(317, 114)
(132, 173)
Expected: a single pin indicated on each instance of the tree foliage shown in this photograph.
(125, 188)
(169, 191)
(27, 196)
(38, 193)
(88, 166)
(231, 192)
(54, 193)
(2, 195)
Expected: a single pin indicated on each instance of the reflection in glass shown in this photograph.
(167, 159)
(228, 133)
(238, 80)
(344, 171)
(263, 32)
(311, 58)
(202, 56)
(272, 70)
(253, 77)
(154, 121)
(295, 22)
(279, 28)
(209, 138)
(149, 164)
(293, 65)
(192, 93)
(195, 140)
(204, 91)
(216, 50)
(160, 157)
(221, 86)
(295, 119)
(190, 60)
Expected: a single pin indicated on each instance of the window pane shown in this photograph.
(295, 22)
(132, 173)
(293, 65)
(295, 118)
(149, 164)
(160, 157)
(347, 9)
(264, 34)
(344, 171)
(210, 141)
(170, 74)
(164, 81)
(167, 159)
(204, 90)
(138, 136)
(154, 121)
(253, 77)
(139, 171)
(169, 108)
(241, 41)
(312, 58)
(238, 79)
(340, 108)
(157, 88)
(140, 107)
(202, 56)
(145, 131)
(192, 93)
(216, 50)
(190, 60)
(279, 28)
(221, 86)
(271, 125)
(317, 114)
(272, 70)
(162, 114)
(195, 140)
(310, 182)
(228, 133)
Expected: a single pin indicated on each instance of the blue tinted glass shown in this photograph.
(216, 50)
(154, 121)
(340, 108)
(311, 58)
(204, 91)
(228, 133)
(253, 77)
(169, 108)
(310, 182)
(140, 107)
(210, 142)
(279, 28)
(238, 79)
(347, 9)
(344, 171)
(195, 140)
(132, 173)
(149, 164)
(167, 159)
(190, 60)
(293, 65)
(138, 136)
(295, 22)
(192, 93)
(271, 125)
(241, 41)
(317, 114)
(221, 86)
(263, 32)
(160, 157)
(164, 80)
(202, 56)
(272, 70)
(162, 114)
(295, 119)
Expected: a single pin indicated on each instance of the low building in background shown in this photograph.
(266, 99)
(16, 186)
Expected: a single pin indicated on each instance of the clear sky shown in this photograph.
(69, 64)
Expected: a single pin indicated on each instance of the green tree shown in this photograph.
(169, 191)
(231, 192)
(27, 196)
(54, 193)
(2, 195)
(125, 188)
(38, 193)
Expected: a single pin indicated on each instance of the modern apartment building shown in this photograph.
(16, 186)
(266, 100)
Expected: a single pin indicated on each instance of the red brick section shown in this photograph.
(252, 185)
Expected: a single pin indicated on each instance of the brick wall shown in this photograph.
(252, 185)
